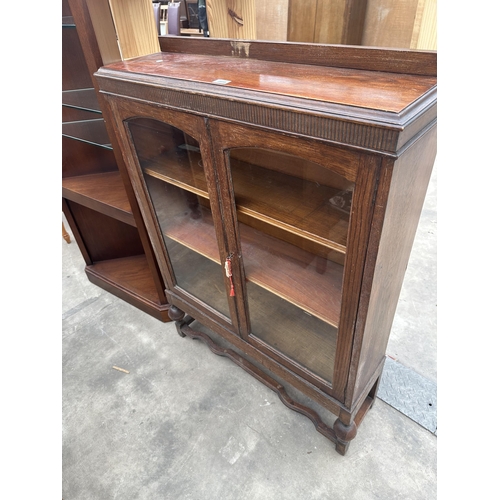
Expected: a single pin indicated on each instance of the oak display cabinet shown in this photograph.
(281, 185)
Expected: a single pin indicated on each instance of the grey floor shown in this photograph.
(186, 424)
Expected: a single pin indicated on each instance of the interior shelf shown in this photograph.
(277, 266)
(85, 99)
(180, 169)
(130, 279)
(90, 131)
(103, 192)
(294, 204)
(298, 206)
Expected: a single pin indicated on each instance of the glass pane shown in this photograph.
(292, 331)
(90, 131)
(293, 219)
(81, 99)
(173, 170)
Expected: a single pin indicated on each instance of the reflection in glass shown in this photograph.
(171, 163)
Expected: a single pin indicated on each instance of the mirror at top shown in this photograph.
(408, 24)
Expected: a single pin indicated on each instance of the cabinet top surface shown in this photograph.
(381, 91)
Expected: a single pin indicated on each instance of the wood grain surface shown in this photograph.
(379, 91)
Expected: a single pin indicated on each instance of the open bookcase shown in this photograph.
(98, 201)
(281, 185)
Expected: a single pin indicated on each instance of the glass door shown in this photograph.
(173, 172)
(292, 211)
(293, 217)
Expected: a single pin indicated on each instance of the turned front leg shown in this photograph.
(177, 315)
(344, 434)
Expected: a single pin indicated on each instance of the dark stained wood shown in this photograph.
(375, 132)
(86, 36)
(129, 279)
(105, 238)
(359, 233)
(85, 159)
(310, 387)
(360, 88)
(76, 233)
(97, 159)
(72, 114)
(400, 198)
(340, 56)
(102, 192)
(367, 129)
(66, 12)
(195, 127)
(338, 161)
(74, 70)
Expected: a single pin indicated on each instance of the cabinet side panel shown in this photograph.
(404, 192)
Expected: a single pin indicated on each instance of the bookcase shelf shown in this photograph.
(98, 205)
(130, 279)
(263, 255)
(103, 192)
(266, 198)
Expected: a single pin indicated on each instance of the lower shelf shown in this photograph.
(129, 278)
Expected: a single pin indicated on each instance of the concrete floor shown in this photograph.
(186, 424)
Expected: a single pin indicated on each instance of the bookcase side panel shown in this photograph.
(401, 194)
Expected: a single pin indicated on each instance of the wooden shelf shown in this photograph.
(294, 204)
(102, 192)
(282, 268)
(288, 203)
(130, 279)
(90, 131)
(180, 169)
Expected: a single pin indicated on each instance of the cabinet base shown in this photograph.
(341, 434)
(129, 279)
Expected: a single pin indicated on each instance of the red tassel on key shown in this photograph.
(229, 274)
